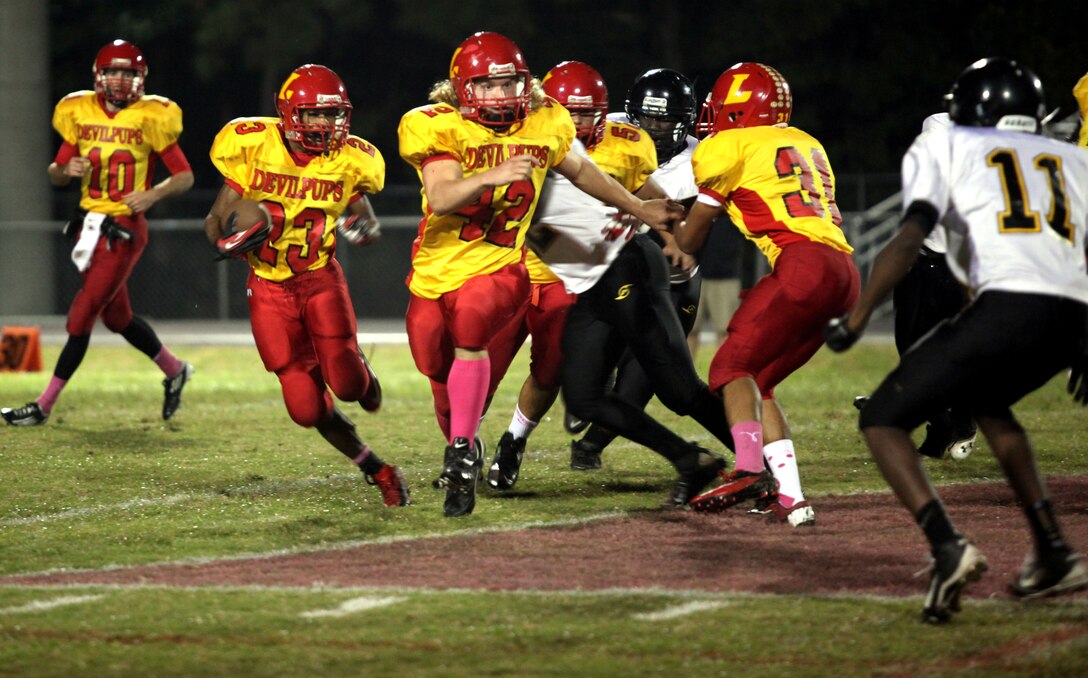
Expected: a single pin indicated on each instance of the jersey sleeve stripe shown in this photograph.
(440, 156)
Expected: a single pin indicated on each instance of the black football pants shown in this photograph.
(630, 308)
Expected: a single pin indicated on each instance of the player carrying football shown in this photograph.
(313, 177)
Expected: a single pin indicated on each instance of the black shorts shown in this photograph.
(1002, 347)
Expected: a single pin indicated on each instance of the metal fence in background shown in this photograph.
(179, 278)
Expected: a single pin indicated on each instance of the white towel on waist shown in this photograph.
(88, 238)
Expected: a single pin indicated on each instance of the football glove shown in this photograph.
(234, 244)
(358, 231)
(115, 231)
(838, 336)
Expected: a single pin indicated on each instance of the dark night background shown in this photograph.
(864, 73)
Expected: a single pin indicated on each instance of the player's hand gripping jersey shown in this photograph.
(627, 154)
(1015, 206)
(490, 234)
(120, 146)
(304, 200)
(776, 183)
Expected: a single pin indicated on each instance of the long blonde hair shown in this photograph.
(442, 92)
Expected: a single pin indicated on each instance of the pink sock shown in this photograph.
(167, 362)
(361, 457)
(467, 385)
(49, 396)
(748, 437)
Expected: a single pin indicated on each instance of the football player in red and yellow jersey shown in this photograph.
(312, 176)
(111, 140)
(627, 155)
(1080, 93)
(778, 188)
(482, 152)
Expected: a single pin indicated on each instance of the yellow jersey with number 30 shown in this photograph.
(490, 234)
(305, 200)
(120, 146)
(775, 183)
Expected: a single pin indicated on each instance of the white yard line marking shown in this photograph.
(257, 489)
(39, 605)
(354, 605)
(675, 611)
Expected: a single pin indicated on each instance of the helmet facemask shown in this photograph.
(496, 111)
(491, 57)
(119, 86)
(321, 136)
(669, 133)
(662, 102)
(580, 89)
(316, 89)
(127, 71)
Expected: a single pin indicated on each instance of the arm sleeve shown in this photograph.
(174, 159)
(926, 169)
(66, 152)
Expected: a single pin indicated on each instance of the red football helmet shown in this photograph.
(314, 88)
(120, 54)
(746, 95)
(580, 89)
(488, 55)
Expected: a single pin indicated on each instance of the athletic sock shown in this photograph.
(520, 425)
(49, 396)
(782, 461)
(748, 437)
(467, 386)
(935, 524)
(368, 462)
(1044, 527)
(167, 362)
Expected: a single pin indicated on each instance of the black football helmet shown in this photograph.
(997, 93)
(662, 102)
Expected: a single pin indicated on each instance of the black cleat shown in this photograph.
(584, 456)
(705, 467)
(173, 386)
(460, 474)
(573, 424)
(30, 414)
(1058, 574)
(955, 564)
(506, 464)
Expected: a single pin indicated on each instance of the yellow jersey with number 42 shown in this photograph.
(304, 194)
(489, 234)
(775, 183)
(120, 146)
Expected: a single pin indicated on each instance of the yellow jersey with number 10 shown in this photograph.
(120, 146)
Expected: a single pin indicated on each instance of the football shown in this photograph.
(249, 224)
(247, 214)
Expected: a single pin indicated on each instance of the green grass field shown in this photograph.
(107, 483)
